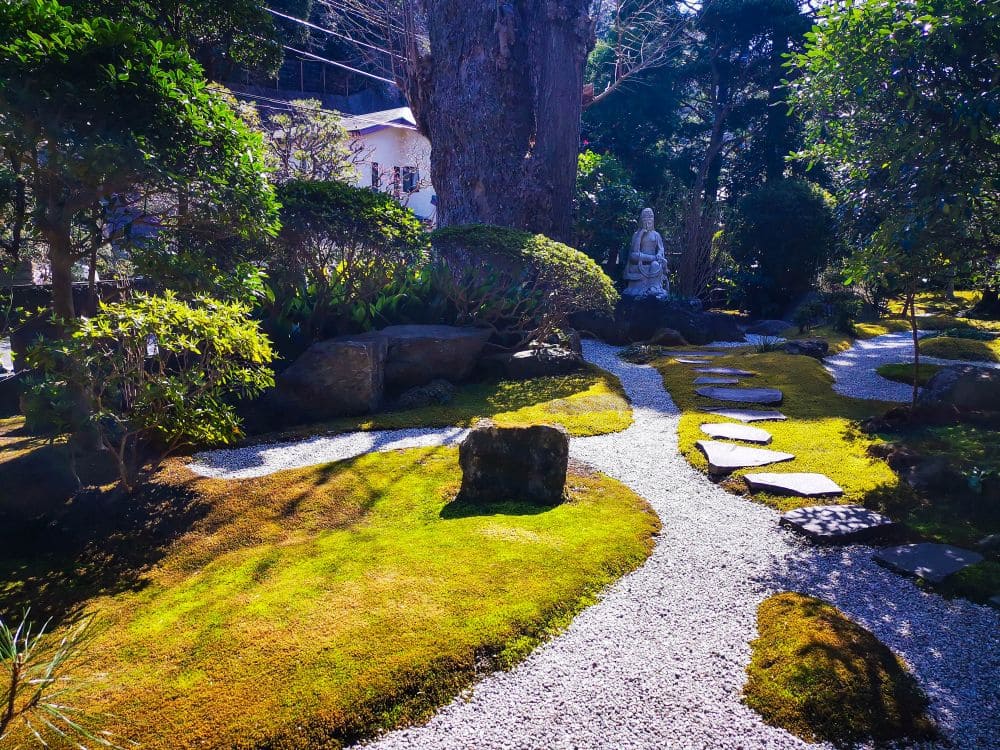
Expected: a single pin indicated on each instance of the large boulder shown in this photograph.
(965, 387)
(816, 348)
(532, 363)
(418, 354)
(513, 464)
(640, 319)
(333, 378)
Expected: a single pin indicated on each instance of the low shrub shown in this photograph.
(524, 286)
(822, 677)
(808, 314)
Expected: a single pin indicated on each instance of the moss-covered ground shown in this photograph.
(822, 677)
(950, 347)
(903, 373)
(313, 606)
(590, 402)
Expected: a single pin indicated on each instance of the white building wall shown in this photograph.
(391, 147)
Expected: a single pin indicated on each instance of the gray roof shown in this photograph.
(400, 117)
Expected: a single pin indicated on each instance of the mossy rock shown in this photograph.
(823, 677)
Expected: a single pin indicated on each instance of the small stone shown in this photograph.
(749, 415)
(743, 395)
(737, 432)
(931, 562)
(800, 484)
(725, 457)
(841, 524)
(716, 381)
(725, 371)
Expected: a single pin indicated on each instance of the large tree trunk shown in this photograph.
(499, 97)
(61, 263)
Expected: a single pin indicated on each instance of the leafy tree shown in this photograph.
(918, 159)
(607, 207)
(782, 236)
(156, 372)
(94, 109)
(340, 246)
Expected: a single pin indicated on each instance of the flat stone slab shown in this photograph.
(731, 431)
(837, 524)
(716, 381)
(931, 562)
(801, 485)
(743, 395)
(695, 354)
(725, 457)
(689, 361)
(725, 371)
(749, 415)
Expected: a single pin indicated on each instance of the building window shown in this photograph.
(376, 176)
(410, 179)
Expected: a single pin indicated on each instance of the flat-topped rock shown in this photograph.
(673, 353)
(689, 361)
(837, 524)
(725, 371)
(731, 431)
(716, 381)
(799, 484)
(931, 562)
(742, 395)
(726, 457)
(749, 415)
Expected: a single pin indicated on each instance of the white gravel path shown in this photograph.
(659, 662)
(854, 369)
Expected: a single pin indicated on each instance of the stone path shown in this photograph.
(742, 395)
(749, 415)
(854, 370)
(837, 523)
(724, 458)
(794, 483)
(659, 661)
(932, 562)
(730, 431)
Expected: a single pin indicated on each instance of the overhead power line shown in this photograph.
(331, 32)
(311, 56)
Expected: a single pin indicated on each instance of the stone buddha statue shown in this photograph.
(646, 266)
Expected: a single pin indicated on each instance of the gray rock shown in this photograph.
(730, 431)
(667, 337)
(990, 542)
(995, 601)
(333, 378)
(749, 415)
(639, 319)
(716, 381)
(725, 371)
(837, 523)
(435, 392)
(742, 395)
(690, 361)
(418, 354)
(816, 348)
(965, 387)
(769, 327)
(932, 562)
(532, 363)
(726, 457)
(513, 464)
(799, 484)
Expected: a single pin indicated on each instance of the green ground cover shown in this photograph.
(822, 677)
(314, 606)
(903, 373)
(949, 347)
(590, 402)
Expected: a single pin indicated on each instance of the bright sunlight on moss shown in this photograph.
(823, 677)
(903, 373)
(316, 606)
(948, 347)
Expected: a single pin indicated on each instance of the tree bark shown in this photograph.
(61, 262)
(499, 96)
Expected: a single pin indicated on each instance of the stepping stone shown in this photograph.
(931, 562)
(716, 381)
(695, 354)
(724, 371)
(688, 361)
(837, 524)
(737, 432)
(743, 395)
(749, 415)
(801, 485)
(725, 457)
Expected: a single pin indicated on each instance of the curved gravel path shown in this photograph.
(659, 662)
(854, 369)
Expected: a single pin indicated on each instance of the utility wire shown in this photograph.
(337, 64)
(331, 32)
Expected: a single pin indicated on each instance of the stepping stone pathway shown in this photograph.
(743, 395)
(798, 484)
(696, 354)
(931, 562)
(726, 457)
(716, 381)
(749, 415)
(837, 524)
(737, 432)
(725, 371)
(689, 361)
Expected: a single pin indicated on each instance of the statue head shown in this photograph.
(646, 219)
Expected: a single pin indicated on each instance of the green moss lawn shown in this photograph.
(903, 373)
(821, 429)
(313, 606)
(590, 402)
(822, 677)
